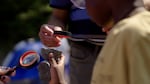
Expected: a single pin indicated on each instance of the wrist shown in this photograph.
(54, 27)
(57, 28)
(63, 82)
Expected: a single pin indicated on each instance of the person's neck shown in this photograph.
(122, 13)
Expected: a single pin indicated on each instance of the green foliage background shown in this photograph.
(19, 20)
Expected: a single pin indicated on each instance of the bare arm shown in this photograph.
(57, 70)
(57, 22)
(59, 17)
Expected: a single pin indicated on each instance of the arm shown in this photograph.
(5, 74)
(57, 22)
(59, 17)
(57, 70)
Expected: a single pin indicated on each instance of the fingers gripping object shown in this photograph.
(46, 52)
(44, 66)
(63, 34)
(31, 58)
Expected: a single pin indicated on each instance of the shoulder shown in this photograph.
(135, 26)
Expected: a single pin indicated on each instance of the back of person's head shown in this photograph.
(102, 11)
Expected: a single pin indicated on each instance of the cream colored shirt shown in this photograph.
(125, 57)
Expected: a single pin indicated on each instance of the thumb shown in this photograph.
(54, 63)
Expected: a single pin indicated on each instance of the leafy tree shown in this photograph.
(19, 20)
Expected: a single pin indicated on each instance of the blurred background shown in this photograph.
(19, 20)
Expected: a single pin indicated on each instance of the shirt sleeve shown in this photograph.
(62, 4)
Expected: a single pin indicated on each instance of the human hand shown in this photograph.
(4, 79)
(47, 36)
(5, 74)
(57, 69)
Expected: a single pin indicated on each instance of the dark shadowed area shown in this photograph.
(19, 20)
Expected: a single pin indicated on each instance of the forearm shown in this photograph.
(61, 77)
(57, 76)
(59, 80)
(57, 22)
(57, 73)
(59, 18)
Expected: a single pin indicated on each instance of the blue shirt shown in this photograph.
(75, 14)
(80, 24)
